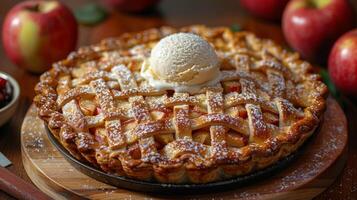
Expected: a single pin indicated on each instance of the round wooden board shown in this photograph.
(310, 174)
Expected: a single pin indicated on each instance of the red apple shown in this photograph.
(312, 26)
(266, 9)
(38, 33)
(342, 63)
(131, 5)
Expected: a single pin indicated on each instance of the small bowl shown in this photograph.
(9, 110)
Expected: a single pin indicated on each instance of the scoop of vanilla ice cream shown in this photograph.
(185, 59)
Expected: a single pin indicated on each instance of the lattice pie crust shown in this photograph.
(266, 105)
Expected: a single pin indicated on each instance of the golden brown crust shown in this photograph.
(102, 111)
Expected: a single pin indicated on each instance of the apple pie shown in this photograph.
(188, 105)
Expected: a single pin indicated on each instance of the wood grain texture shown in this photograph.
(306, 177)
(173, 13)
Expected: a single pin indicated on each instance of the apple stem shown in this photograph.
(33, 8)
(42, 7)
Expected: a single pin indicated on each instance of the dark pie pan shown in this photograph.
(155, 187)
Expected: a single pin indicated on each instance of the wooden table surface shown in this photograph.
(175, 13)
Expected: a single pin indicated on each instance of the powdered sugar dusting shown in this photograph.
(316, 162)
(256, 123)
(277, 83)
(255, 67)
